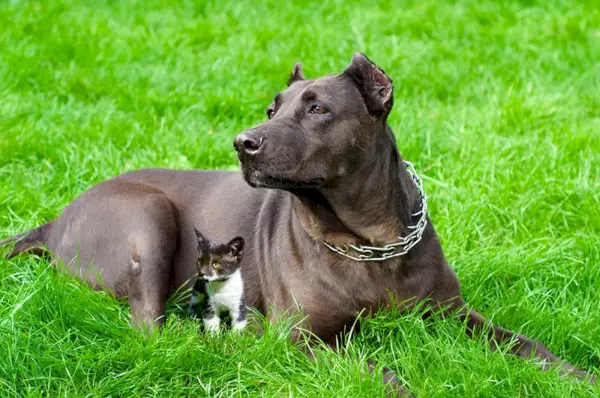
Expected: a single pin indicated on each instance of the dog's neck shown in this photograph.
(374, 204)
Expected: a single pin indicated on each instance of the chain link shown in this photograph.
(404, 243)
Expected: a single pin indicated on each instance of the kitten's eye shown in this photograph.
(216, 265)
(270, 112)
(199, 262)
(318, 109)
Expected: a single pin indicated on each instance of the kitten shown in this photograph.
(220, 281)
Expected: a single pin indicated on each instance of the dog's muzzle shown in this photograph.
(248, 144)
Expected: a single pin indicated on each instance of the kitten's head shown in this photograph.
(217, 261)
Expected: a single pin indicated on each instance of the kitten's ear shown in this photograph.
(236, 247)
(200, 238)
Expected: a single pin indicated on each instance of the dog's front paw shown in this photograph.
(583, 375)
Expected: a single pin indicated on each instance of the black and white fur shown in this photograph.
(220, 285)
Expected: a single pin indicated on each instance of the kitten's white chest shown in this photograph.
(228, 294)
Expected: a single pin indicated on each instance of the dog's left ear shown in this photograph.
(236, 247)
(374, 85)
(297, 74)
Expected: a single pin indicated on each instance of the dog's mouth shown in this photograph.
(258, 179)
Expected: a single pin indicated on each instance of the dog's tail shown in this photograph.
(29, 242)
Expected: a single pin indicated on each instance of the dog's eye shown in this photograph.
(270, 112)
(318, 109)
(216, 265)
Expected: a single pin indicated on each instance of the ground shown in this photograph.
(496, 103)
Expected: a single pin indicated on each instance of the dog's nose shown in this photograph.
(248, 142)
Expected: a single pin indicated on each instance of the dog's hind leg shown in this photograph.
(152, 255)
(148, 289)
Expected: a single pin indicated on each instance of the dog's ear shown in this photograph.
(297, 74)
(374, 85)
(236, 247)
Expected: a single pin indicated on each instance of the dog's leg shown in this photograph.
(390, 380)
(152, 250)
(148, 288)
(392, 384)
(524, 347)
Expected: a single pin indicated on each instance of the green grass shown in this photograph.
(497, 105)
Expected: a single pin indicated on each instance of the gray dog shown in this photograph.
(335, 223)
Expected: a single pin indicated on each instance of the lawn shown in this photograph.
(496, 103)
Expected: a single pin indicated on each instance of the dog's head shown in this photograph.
(318, 130)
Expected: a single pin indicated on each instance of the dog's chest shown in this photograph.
(351, 287)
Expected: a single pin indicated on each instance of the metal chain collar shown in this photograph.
(397, 249)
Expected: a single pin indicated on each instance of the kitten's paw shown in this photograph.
(239, 326)
(212, 324)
